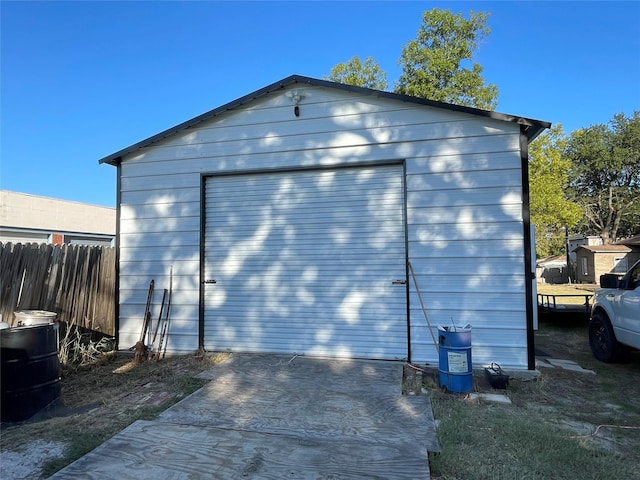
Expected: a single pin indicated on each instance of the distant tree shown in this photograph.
(551, 209)
(605, 176)
(438, 64)
(354, 72)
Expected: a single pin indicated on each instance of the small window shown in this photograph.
(584, 263)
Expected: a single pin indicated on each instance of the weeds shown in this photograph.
(87, 433)
(78, 348)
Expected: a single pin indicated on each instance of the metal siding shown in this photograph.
(462, 169)
(465, 234)
(266, 96)
(158, 231)
(304, 263)
(249, 155)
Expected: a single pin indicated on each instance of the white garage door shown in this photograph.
(307, 262)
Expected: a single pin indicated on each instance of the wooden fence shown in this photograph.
(75, 281)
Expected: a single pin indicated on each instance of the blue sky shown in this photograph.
(81, 80)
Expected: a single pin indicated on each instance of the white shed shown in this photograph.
(289, 217)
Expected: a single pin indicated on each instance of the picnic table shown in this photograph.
(552, 303)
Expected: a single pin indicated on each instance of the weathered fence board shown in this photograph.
(75, 281)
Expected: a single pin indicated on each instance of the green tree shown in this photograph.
(438, 64)
(551, 209)
(354, 72)
(605, 176)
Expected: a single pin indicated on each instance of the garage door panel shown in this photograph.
(320, 219)
(307, 266)
(303, 339)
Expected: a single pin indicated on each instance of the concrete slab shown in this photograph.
(568, 365)
(559, 362)
(540, 363)
(577, 368)
(491, 397)
(265, 416)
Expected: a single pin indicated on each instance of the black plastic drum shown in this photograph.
(30, 376)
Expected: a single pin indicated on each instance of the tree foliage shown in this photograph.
(438, 64)
(605, 176)
(354, 72)
(551, 209)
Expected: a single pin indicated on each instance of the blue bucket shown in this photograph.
(455, 368)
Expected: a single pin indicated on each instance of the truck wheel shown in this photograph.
(602, 340)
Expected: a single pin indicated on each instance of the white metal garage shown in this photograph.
(310, 262)
(304, 200)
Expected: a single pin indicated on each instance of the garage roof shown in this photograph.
(532, 128)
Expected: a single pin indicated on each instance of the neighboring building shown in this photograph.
(289, 217)
(552, 270)
(573, 242)
(593, 261)
(576, 241)
(634, 244)
(26, 218)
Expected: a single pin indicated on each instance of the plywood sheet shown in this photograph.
(274, 417)
(321, 398)
(156, 450)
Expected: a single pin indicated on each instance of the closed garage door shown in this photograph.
(307, 262)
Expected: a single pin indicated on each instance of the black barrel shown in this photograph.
(30, 370)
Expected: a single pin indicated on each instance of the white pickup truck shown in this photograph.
(614, 327)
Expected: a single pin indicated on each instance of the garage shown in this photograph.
(284, 221)
(310, 262)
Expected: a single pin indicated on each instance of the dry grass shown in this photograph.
(551, 428)
(104, 397)
(577, 291)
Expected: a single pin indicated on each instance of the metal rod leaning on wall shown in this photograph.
(147, 313)
(155, 333)
(140, 347)
(166, 318)
(424, 311)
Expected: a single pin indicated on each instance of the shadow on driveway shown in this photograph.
(267, 416)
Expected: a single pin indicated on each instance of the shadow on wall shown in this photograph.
(289, 257)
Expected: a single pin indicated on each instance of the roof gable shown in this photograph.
(611, 248)
(531, 127)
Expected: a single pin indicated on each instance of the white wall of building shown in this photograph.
(464, 207)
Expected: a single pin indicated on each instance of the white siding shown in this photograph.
(464, 207)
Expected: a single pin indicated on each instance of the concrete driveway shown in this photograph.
(275, 417)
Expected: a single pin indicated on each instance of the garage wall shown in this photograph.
(464, 207)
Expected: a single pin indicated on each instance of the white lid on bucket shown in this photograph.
(35, 317)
